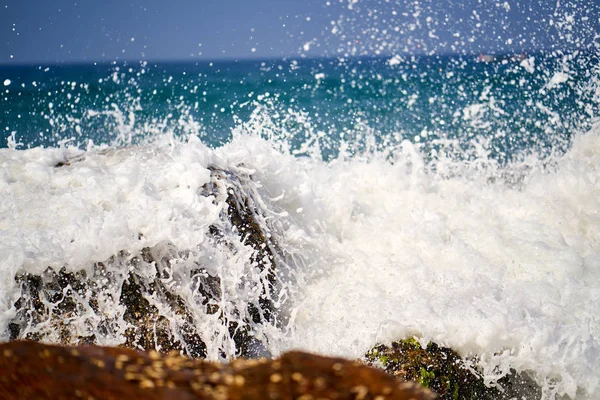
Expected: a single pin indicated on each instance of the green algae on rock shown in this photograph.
(447, 374)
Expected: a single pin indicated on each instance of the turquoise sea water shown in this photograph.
(530, 103)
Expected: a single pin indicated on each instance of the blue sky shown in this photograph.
(36, 31)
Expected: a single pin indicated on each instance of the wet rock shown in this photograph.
(136, 300)
(66, 162)
(247, 222)
(34, 370)
(446, 373)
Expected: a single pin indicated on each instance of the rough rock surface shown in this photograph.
(148, 310)
(31, 370)
(446, 373)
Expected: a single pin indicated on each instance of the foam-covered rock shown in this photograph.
(158, 297)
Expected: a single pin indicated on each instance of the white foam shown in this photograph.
(509, 273)
(557, 79)
(100, 205)
(383, 249)
(395, 60)
(528, 64)
(84, 213)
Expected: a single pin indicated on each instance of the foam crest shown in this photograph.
(102, 203)
(476, 262)
(128, 222)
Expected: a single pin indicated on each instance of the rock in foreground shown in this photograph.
(30, 370)
(446, 373)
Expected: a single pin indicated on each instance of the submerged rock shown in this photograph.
(160, 297)
(446, 373)
(32, 370)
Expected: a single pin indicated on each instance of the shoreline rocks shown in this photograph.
(446, 373)
(159, 297)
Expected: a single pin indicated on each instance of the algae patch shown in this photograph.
(446, 373)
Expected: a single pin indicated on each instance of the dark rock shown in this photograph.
(148, 311)
(66, 162)
(31, 370)
(245, 216)
(446, 373)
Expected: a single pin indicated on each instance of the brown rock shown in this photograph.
(31, 370)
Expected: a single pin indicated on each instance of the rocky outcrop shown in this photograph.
(136, 299)
(446, 373)
(31, 370)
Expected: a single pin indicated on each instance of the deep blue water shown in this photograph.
(514, 106)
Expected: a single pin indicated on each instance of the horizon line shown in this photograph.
(59, 63)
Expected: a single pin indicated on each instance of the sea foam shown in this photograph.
(498, 262)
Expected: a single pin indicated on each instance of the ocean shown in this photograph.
(444, 198)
